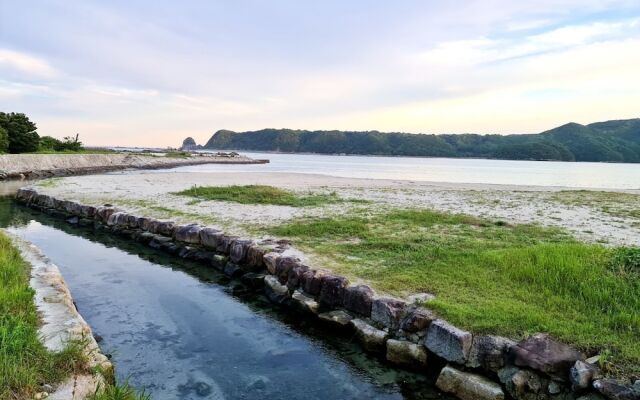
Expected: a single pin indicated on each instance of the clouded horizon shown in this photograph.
(153, 72)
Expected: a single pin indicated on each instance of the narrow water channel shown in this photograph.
(173, 328)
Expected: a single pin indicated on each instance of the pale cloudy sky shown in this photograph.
(153, 72)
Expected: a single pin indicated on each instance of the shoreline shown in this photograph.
(34, 166)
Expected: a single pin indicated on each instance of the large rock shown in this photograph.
(448, 342)
(468, 386)
(238, 250)
(387, 311)
(209, 237)
(276, 292)
(526, 384)
(332, 291)
(270, 260)
(417, 319)
(541, 353)
(224, 243)
(338, 318)
(255, 256)
(294, 277)
(311, 281)
(406, 353)
(616, 390)
(372, 339)
(489, 352)
(305, 303)
(284, 265)
(358, 299)
(582, 374)
(187, 233)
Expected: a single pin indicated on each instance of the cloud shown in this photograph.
(26, 64)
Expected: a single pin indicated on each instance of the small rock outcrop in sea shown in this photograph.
(189, 144)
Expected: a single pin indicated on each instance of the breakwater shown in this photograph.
(31, 166)
(405, 333)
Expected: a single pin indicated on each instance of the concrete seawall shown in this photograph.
(29, 166)
(405, 332)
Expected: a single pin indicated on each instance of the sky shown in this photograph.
(150, 73)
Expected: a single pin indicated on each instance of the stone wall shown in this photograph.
(29, 166)
(403, 332)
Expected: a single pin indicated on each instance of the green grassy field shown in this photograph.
(490, 277)
(24, 361)
(259, 194)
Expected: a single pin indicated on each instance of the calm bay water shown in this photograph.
(174, 330)
(456, 170)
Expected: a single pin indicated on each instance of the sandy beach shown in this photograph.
(610, 218)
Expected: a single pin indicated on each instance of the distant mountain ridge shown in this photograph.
(609, 141)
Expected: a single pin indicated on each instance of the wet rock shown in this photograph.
(448, 342)
(541, 353)
(591, 396)
(468, 386)
(270, 260)
(295, 276)
(132, 221)
(233, 270)
(581, 375)
(387, 311)
(253, 280)
(165, 228)
(276, 292)
(187, 233)
(305, 303)
(616, 390)
(406, 353)
(489, 352)
(112, 220)
(218, 261)
(359, 299)
(238, 250)
(332, 290)
(417, 319)
(372, 339)
(103, 213)
(209, 237)
(73, 220)
(337, 317)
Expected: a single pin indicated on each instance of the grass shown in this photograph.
(83, 151)
(24, 361)
(261, 194)
(623, 205)
(490, 277)
(119, 392)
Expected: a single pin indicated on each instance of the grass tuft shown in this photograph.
(260, 194)
(490, 277)
(119, 392)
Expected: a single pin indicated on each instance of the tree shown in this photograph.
(4, 140)
(21, 132)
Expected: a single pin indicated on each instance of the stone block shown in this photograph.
(448, 342)
(337, 317)
(209, 237)
(187, 233)
(373, 340)
(359, 299)
(467, 386)
(417, 319)
(405, 353)
(541, 353)
(489, 352)
(332, 290)
(387, 312)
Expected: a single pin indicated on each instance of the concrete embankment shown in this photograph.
(469, 365)
(61, 323)
(29, 166)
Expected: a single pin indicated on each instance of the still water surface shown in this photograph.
(174, 330)
(456, 170)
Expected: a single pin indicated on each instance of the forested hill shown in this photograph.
(614, 141)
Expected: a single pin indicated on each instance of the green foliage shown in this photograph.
(487, 276)
(119, 392)
(604, 141)
(259, 194)
(68, 144)
(626, 260)
(21, 132)
(24, 361)
(4, 140)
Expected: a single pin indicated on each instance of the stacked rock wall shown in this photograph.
(406, 334)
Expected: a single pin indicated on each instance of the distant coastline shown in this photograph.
(611, 141)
